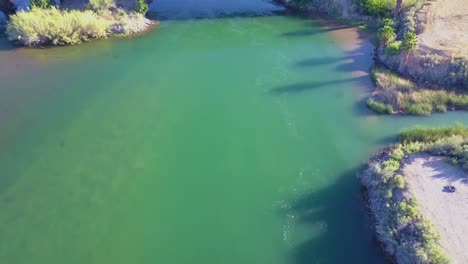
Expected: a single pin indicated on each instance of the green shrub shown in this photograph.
(389, 109)
(398, 182)
(376, 7)
(441, 108)
(386, 34)
(379, 108)
(141, 7)
(437, 255)
(407, 211)
(459, 101)
(42, 3)
(98, 5)
(390, 166)
(449, 146)
(393, 48)
(412, 147)
(388, 22)
(53, 26)
(410, 41)
(424, 134)
(459, 72)
(422, 109)
(397, 154)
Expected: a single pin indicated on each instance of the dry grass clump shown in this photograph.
(53, 26)
(407, 97)
(125, 23)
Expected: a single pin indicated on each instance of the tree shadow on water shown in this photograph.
(314, 29)
(357, 58)
(308, 86)
(346, 236)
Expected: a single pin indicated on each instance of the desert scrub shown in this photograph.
(407, 97)
(406, 234)
(54, 26)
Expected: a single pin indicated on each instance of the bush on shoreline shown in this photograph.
(379, 108)
(52, 26)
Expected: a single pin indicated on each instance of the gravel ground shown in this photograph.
(426, 177)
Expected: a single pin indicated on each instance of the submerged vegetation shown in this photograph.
(405, 233)
(46, 24)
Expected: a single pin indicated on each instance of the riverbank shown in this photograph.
(394, 94)
(430, 64)
(417, 219)
(73, 23)
(441, 55)
(408, 80)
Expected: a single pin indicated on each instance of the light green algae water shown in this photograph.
(228, 140)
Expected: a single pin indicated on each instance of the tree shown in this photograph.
(410, 41)
(386, 34)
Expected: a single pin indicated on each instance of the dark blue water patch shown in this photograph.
(196, 9)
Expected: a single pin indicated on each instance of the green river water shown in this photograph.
(228, 139)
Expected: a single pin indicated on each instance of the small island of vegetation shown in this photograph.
(409, 192)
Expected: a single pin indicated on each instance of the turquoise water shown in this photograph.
(233, 139)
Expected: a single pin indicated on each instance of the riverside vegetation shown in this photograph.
(48, 24)
(394, 24)
(397, 94)
(405, 233)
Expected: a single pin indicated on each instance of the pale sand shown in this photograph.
(445, 26)
(426, 176)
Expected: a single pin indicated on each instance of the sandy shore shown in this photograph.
(426, 176)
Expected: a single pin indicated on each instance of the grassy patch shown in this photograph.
(379, 108)
(426, 135)
(407, 97)
(393, 48)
